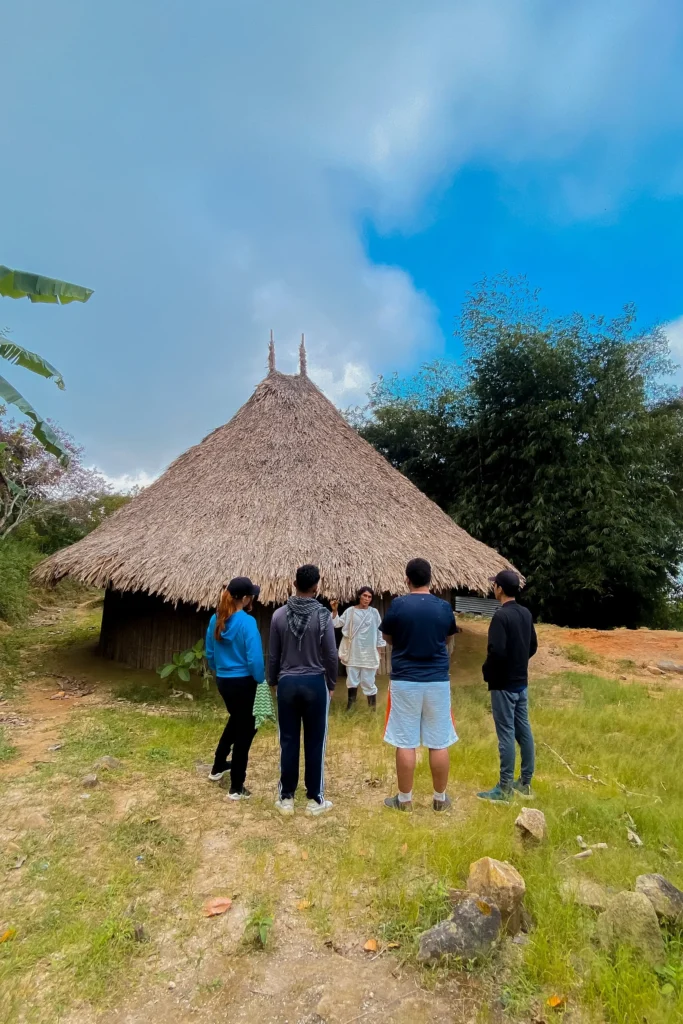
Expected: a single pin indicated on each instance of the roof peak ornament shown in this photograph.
(303, 366)
(271, 354)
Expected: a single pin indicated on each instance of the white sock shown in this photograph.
(440, 796)
(405, 798)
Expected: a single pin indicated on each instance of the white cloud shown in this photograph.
(127, 482)
(231, 152)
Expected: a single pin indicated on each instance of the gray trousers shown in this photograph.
(511, 716)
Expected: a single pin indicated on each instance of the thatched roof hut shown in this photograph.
(286, 481)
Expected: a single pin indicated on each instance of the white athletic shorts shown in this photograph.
(419, 714)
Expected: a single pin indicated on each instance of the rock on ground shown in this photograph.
(469, 932)
(666, 899)
(108, 763)
(630, 920)
(89, 782)
(531, 824)
(585, 893)
(498, 882)
(669, 666)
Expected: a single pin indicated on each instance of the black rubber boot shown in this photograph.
(372, 702)
(352, 698)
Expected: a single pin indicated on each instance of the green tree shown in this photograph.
(559, 447)
(18, 284)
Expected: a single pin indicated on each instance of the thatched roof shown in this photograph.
(286, 481)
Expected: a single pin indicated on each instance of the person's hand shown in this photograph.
(334, 605)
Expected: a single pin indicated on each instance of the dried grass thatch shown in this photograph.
(286, 481)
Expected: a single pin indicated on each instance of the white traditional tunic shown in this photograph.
(361, 626)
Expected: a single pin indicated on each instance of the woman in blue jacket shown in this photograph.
(234, 653)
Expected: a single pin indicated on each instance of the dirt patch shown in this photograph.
(37, 717)
(613, 650)
(297, 984)
(640, 645)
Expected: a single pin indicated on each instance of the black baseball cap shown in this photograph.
(241, 586)
(507, 579)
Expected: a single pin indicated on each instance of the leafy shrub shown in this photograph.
(187, 662)
(16, 562)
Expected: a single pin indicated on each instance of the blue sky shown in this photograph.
(349, 170)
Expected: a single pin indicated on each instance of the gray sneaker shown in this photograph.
(398, 805)
(442, 805)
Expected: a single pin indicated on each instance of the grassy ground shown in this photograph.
(133, 853)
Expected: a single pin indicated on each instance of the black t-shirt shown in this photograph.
(419, 625)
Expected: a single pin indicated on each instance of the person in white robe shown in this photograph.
(360, 646)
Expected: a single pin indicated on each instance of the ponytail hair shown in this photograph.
(227, 606)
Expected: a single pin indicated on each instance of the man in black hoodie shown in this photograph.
(303, 666)
(512, 641)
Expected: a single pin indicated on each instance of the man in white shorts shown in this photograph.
(419, 706)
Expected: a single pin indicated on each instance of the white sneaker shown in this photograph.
(314, 808)
(285, 806)
(217, 776)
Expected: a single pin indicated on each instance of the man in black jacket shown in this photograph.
(512, 641)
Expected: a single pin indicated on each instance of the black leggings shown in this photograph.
(240, 730)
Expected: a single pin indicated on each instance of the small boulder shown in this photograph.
(108, 763)
(531, 825)
(670, 666)
(90, 782)
(498, 882)
(584, 892)
(666, 899)
(630, 920)
(468, 933)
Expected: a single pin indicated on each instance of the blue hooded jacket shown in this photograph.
(238, 653)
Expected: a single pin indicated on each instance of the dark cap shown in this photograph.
(242, 586)
(507, 579)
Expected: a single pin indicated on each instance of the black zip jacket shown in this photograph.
(512, 641)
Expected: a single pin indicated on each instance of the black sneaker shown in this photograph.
(242, 794)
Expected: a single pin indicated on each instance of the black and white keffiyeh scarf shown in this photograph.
(299, 612)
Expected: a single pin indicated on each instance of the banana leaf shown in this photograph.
(42, 430)
(18, 284)
(30, 361)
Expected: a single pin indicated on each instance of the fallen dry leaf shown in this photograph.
(303, 904)
(217, 906)
(393, 945)
(362, 853)
(60, 695)
(555, 1002)
(404, 849)
(19, 862)
(371, 946)
(7, 935)
(304, 854)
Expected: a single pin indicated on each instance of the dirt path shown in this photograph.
(36, 719)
